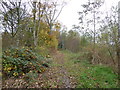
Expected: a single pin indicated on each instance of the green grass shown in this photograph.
(88, 75)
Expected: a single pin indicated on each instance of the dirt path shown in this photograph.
(57, 76)
(66, 79)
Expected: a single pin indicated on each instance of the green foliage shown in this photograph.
(31, 76)
(88, 75)
(83, 41)
(97, 76)
(17, 62)
(43, 51)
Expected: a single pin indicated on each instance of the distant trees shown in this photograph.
(70, 40)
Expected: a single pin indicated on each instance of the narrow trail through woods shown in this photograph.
(57, 76)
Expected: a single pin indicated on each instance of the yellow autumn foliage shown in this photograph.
(48, 40)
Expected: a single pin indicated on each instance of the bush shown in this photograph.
(17, 62)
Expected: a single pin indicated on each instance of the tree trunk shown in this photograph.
(118, 46)
(93, 60)
(34, 20)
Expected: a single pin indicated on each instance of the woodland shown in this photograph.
(38, 51)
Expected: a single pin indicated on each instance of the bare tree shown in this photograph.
(52, 12)
(90, 8)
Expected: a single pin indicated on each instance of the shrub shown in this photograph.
(17, 62)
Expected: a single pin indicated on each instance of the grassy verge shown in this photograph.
(88, 75)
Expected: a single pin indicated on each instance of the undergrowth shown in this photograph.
(88, 75)
(21, 62)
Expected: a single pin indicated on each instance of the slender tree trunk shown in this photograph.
(118, 50)
(94, 37)
(1, 59)
(38, 23)
(34, 20)
(18, 21)
(50, 26)
(39, 19)
(34, 33)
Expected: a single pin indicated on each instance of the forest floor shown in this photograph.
(56, 76)
(67, 70)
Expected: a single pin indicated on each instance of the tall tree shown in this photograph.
(118, 50)
(12, 14)
(91, 7)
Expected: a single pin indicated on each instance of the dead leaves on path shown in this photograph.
(54, 77)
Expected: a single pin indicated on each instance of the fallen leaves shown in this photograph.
(54, 77)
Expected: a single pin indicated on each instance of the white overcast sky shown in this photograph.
(69, 15)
